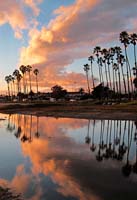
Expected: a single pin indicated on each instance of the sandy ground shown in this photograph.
(73, 110)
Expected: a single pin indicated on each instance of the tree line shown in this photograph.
(114, 67)
(21, 80)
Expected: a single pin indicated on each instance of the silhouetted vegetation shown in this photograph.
(114, 70)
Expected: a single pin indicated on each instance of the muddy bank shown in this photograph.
(73, 110)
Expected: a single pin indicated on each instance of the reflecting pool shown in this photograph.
(44, 158)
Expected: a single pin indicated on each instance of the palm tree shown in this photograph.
(124, 38)
(18, 77)
(133, 40)
(118, 51)
(36, 72)
(108, 63)
(104, 52)
(96, 51)
(91, 59)
(121, 60)
(23, 71)
(8, 81)
(86, 69)
(112, 53)
(29, 69)
(115, 68)
(13, 82)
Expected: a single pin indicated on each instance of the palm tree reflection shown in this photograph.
(93, 146)
(126, 169)
(117, 143)
(113, 142)
(37, 134)
(24, 138)
(87, 138)
(135, 139)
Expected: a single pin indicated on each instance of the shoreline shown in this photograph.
(73, 110)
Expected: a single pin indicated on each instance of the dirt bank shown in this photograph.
(125, 111)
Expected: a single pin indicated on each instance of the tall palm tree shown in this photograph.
(100, 62)
(96, 51)
(104, 52)
(118, 51)
(91, 59)
(86, 69)
(18, 77)
(133, 40)
(29, 69)
(112, 53)
(13, 82)
(121, 60)
(125, 39)
(36, 72)
(23, 71)
(108, 63)
(8, 82)
(115, 68)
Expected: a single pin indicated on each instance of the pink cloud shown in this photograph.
(71, 35)
(13, 13)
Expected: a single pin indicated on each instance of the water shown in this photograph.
(68, 159)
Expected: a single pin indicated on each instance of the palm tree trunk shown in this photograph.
(119, 81)
(24, 84)
(106, 74)
(37, 83)
(11, 90)
(116, 81)
(129, 71)
(99, 73)
(8, 90)
(109, 77)
(102, 80)
(135, 56)
(30, 80)
(88, 82)
(92, 76)
(124, 81)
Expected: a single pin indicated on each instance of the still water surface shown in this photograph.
(68, 159)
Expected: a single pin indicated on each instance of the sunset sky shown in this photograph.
(57, 36)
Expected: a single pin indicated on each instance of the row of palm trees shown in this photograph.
(116, 138)
(114, 67)
(21, 80)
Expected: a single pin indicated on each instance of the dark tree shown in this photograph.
(58, 92)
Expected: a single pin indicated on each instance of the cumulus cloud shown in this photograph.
(73, 33)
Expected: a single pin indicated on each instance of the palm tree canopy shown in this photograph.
(7, 79)
(23, 69)
(28, 68)
(96, 50)
(36, 72)
(133, 38)
(124, 38)
(86, 67)
(91, 58)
